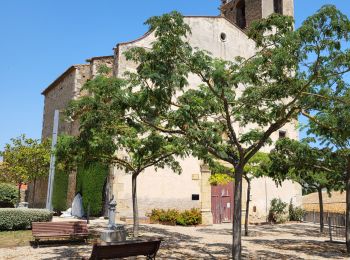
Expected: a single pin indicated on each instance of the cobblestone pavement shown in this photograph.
(289, 241)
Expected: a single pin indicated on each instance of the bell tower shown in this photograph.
(244, 12)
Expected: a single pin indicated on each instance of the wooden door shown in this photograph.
(222, 203)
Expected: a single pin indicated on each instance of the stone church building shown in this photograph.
(224, 37)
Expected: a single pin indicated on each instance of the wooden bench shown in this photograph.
(148, 248)
(66, 229)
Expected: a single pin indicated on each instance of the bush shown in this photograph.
(174, 217)
(8, 195)
(278, 212)
(60, 188)
(191, 217)
(21, 218)
(295, 213)
(90, 183)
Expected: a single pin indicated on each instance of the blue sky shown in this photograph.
(41, 39)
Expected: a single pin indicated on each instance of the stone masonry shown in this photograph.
(163, 188)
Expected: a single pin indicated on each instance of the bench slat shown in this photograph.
(125, 249)
(67, 229)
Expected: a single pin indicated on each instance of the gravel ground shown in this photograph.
(289, 241)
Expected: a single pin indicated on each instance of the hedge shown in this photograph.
(22, 218)
(190, 217)
(60, 188)
(8, 195)
(90, 183)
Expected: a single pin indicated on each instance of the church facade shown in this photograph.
(224, 37)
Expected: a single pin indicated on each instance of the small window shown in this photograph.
(282, 134)
(195, 196)
(223, 37)
(278, 6)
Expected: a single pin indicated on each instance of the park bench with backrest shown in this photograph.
(53, 230)
(148, 248)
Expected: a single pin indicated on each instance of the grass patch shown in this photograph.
(15, 238)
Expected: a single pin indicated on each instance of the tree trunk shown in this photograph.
(134, 206)
(237, 214)
(33, 199)
(347, 217)
(320, 201)
(19, 193)
(246, 222)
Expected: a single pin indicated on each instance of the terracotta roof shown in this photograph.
(61, 77)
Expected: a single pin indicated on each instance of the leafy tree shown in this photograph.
(329, 120)
(259, 94)
(25, 160)
(315, 169)
(111, 133)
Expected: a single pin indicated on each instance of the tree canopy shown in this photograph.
(24, 160)
(241, 102)
(111, 132)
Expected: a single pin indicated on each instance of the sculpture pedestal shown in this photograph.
(118, 234)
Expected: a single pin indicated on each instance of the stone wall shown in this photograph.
(254, 10)
(206, 32)
(65, 88)
(96, 62)
(57, 96)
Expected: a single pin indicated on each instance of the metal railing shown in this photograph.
(334, 224)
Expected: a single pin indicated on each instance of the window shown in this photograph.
(240, 14)
(282, 134)
(278, 6)
(223, 37)
(195, 196)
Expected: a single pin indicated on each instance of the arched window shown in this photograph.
(240, 14)
(278, 6)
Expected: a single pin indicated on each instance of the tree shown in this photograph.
(110, 132)
(329, 120)
(253, 170)
(25, 160)
(259, 94)
(316, 171)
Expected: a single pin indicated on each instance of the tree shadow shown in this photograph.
(310, 247)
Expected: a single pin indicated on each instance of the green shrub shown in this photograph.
(8, 195)
(191, 217)
(295, 213)
(22, 218)
(278, 212)
(90, 182)
(60, 188)
(174, 217)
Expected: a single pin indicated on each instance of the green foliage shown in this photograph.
(190, 217)
(295, 213)
(60, 188)
(319, 168)
(90, 182)
(24, 160)
(220, 179)
(8, 195)
(19, 218)
(278, 211)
